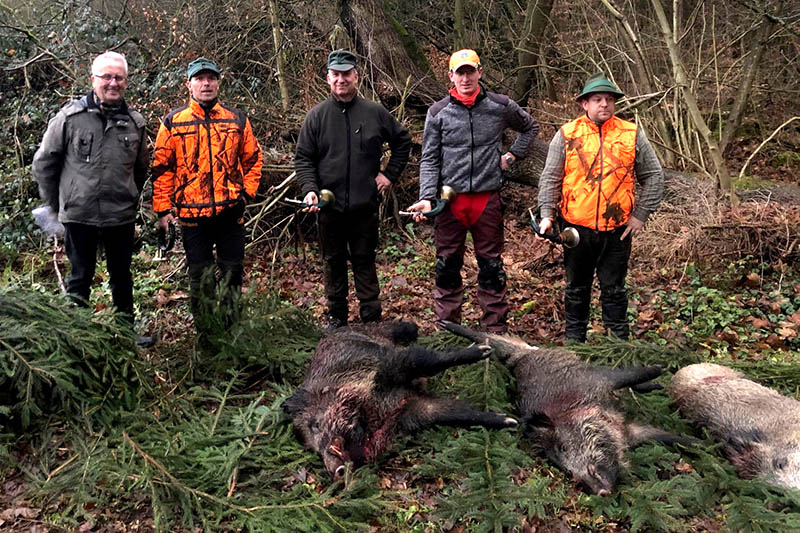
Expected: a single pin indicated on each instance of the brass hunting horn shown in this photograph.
(326, 198)
(568, 237)
(448, 195)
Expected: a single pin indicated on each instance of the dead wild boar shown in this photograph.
(759, 427)
(360, 391)
(569, 408)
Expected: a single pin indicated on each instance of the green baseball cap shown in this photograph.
(200, 64)
(600, 84)
(342, 60)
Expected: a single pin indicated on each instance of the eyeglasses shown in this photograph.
(108, 77)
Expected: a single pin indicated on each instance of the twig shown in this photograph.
(765, 141)
(232, 486)
(221, 501)
(60, 468)
(55, 266)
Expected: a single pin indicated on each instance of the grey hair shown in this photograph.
(109, 56)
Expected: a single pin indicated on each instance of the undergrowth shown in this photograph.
(201, 441)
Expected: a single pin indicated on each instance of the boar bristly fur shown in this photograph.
(759, 428)
(361, 389)
(569, 407)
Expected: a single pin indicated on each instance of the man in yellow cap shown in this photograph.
(588, 180)
(463, 148)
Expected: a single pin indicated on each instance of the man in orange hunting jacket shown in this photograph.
(593, 167)
(206, 168)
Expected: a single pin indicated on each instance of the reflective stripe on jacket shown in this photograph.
(204, 161)
(598, 187)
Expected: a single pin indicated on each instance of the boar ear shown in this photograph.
(403, 332)
(538, 420)
(295, 403)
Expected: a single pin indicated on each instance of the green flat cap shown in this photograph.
(342, 60)
(200, 64)
(600, 84)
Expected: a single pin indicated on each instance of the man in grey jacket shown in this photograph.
(91, 167)
(463, 148)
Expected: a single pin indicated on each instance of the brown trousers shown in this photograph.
(487, 237)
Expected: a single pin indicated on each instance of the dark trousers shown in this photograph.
(81, 242)
(604, 253)
(200, 236)
(487, 237)
(353, 236)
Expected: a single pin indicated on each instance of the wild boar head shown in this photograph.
(332, 424)
(586, 443)
(754, 456)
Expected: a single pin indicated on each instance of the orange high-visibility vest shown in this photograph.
(598, 187)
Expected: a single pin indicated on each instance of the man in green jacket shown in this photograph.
(91, 167)
(340, 149)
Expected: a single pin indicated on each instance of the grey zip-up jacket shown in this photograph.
(91, 169)
(462, 146)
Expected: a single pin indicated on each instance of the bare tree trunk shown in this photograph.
(743, 93)
(645, 76)
(392, 72)
(458, 25)
(682, 81)
(280, 58)
(536, 16)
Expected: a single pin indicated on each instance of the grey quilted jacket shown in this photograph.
(461, 146)
(91, 169)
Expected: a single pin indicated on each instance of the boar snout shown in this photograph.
(335, 458)
(339, 474)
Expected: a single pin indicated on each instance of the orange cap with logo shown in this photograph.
(464, 57)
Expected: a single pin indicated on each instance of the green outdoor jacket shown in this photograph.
(90, 169)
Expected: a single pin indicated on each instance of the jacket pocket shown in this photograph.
(82, 145)
(129, 148)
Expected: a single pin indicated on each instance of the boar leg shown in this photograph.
(423, 412)
(633, 377)
(640, 434)
(416, 362)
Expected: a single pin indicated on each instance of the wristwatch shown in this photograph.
(508, 158)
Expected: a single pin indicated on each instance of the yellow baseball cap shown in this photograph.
(464, 57)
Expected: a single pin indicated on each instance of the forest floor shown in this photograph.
(721, 284)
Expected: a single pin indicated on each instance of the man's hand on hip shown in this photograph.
(506, 160)
(633, 227)
(383, 182)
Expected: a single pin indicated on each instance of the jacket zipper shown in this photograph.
(471, 149)
(210, 166)
(599, 183)
(347, 176)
